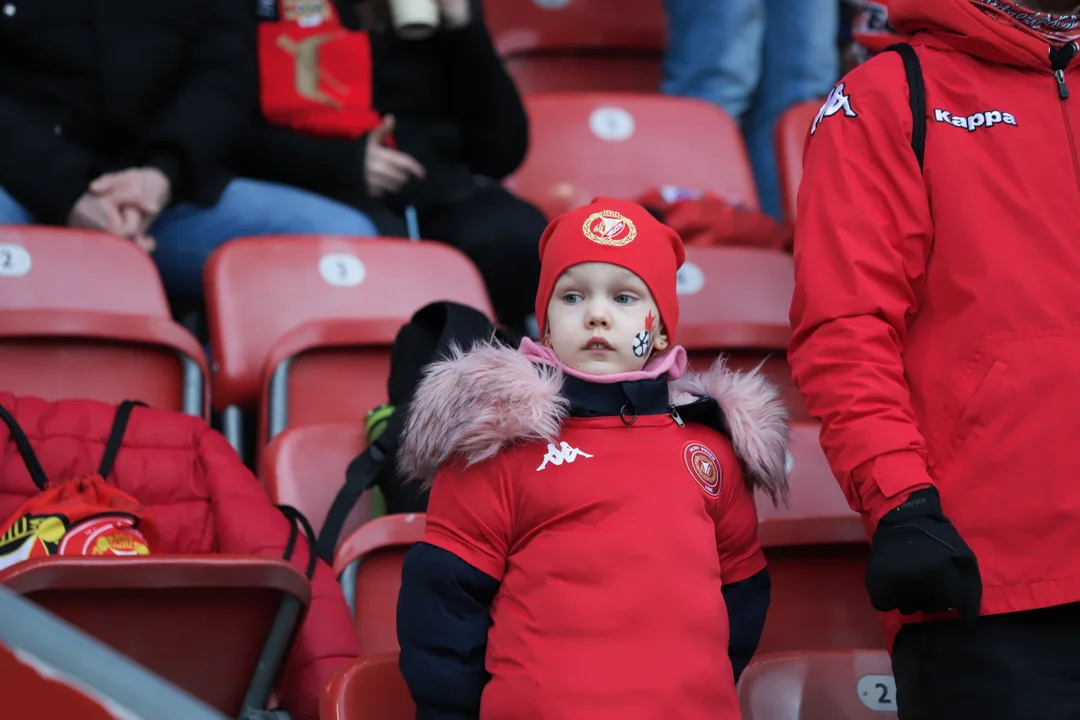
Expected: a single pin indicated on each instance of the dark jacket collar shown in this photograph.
(628, 399)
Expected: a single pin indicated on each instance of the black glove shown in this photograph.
(919, 563)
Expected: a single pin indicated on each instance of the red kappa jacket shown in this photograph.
(936, 313)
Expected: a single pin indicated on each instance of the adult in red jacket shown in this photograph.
(936, 331)
(203, 500)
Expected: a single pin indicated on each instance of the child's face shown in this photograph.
(602, 319)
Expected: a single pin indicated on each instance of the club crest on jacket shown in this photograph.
(703, 467)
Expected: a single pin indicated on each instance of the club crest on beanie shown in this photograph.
(621, 233)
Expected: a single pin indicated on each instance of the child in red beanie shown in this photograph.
(591, 546)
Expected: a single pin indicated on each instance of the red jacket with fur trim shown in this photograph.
(602, 529)
(936, 322)
(203, 500)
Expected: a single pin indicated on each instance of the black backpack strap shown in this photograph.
(287, 619)
(361, 476)
(916, 97)
(299, 521)
(116, 436)
(33, 466)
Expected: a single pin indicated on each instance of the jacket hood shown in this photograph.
(974, 27)
(474, 404)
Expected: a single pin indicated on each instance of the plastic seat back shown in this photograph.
(622, 145)
(337, 301)
(175, 615)
(305, 467)
(791, 130)
(580, 45)
(817, 551)
(521, 26)
(370, 688)
(735, 300)
(29, 692)
(84, 315)
(50, 670)
(368, 562)
(619, 72)
(842, 685)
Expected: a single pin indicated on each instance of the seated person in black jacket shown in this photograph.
(457, 126)
(116, 115)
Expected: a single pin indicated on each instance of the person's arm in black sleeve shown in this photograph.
(215, 100)
(45, 172)
(320, 164)
(747, 604)
(442, 622)
(487, 105)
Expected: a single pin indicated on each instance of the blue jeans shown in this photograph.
(186, 233)
(755, 59)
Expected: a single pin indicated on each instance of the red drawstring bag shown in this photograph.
(84, 516)
(314, 73)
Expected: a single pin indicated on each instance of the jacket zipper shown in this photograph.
(1059, 60)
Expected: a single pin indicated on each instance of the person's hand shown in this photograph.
(96, 212)
(140, 193)
(919, 563)
(386, 170)
(455, 13)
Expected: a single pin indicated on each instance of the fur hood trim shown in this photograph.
(473, 404)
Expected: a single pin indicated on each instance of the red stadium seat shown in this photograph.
(580, 45)
(818, 513)
(519, 26)
(28, 692)
(791, 132)
(50, 670)
(84, 315)
(370, 688)
(735, 300)
(816, 548)
(622, 145)
(368, 563)
(305, 467)
(305, 323)
(845, 685)
(608, 72)
(175, 615)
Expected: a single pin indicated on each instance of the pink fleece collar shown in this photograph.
(673, 363)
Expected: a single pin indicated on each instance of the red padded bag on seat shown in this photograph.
(81, 516)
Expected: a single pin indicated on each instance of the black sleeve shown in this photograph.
(442, 624)
(486, 103)
(283, 155)
(43, 171)
(747, 604)
(216, 99)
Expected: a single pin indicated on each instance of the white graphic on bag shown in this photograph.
(564, 453)
(643, 340)
(836, 102)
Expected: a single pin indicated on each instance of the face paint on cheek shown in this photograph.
(643, 340)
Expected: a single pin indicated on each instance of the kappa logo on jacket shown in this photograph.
(971, 123)
(836, 102)
(562, 454)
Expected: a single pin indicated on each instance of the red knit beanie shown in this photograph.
(620, 233)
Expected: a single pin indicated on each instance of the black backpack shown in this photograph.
(428, 337)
